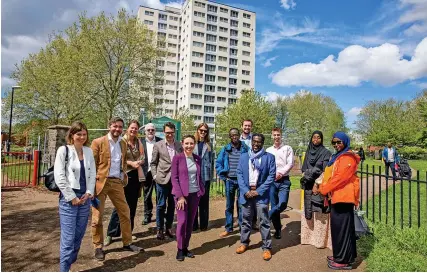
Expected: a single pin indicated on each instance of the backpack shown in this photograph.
(49, 177)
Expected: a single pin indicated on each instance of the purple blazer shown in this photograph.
(179, 176)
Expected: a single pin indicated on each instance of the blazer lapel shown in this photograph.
(205, 147)
(166, 151)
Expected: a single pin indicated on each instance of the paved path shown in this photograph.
(30, 242)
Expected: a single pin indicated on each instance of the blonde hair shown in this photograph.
(207, 137)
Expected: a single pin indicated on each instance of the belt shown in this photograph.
(113, 178)
(283, 179)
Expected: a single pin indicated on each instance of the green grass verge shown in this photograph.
(17, 172)
(420, 165)
(394, 249)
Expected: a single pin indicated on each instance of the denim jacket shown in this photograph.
(207, 161)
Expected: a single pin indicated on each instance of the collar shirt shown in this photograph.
(247, 141)
(171, 149)
(116, 157)
(150, 146)
(253, 174)
(284, 156)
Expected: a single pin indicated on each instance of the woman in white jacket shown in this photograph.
(76, 180)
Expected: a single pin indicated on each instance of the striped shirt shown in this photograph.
(233, 162)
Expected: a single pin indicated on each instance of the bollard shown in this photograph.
(35, 167)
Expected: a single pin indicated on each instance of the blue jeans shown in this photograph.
(73, 221)
(231, 190)
(279, 195)
(165, 206)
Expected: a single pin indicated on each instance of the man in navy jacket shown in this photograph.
(255, 175)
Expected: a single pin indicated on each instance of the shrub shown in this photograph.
(412, 152)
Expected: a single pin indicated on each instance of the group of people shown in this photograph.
(124, 168)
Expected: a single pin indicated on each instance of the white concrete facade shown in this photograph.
(211, 56)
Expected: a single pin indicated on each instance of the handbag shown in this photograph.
(49, 177)
(360, 225)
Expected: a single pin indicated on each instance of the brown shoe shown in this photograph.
(266, 255)
(224, 234)
(241, 249)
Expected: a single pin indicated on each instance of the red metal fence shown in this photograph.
(16, 169)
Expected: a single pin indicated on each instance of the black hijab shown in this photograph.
(315, 153)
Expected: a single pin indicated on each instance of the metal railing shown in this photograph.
(16, 169)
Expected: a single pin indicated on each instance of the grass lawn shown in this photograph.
(420, 165)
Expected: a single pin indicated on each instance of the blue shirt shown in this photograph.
(247, 141)
(82, 179)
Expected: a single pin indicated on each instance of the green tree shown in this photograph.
(251, 105)
(187, 121)
(421, 102)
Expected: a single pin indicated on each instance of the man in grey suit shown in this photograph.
(163, 153)
(148, 142)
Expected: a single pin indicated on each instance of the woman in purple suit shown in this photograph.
(187, 188)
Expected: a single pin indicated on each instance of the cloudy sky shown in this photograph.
(353, 51)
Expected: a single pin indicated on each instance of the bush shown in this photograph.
(412, 152)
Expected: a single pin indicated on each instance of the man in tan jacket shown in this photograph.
(109, 152)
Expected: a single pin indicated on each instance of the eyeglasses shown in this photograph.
(169, 133)
(203, 131)
(150, 130)
(339, 142)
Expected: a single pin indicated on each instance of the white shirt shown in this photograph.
(390, 154)
(116, 157)
(150, 146)
(253, 174)
(284, 158)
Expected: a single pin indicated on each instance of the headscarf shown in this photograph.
(254, 158)
(314, 153)
(345, 140)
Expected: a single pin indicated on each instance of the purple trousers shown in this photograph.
(185, 221)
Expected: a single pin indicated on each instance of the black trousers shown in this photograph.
(202, 214)
(149, 187)
(131, 194)
(343, 233)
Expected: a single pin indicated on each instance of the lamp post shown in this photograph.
(10, 118)
(306, 131)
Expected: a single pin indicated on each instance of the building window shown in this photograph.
(198, 44)
(246, 25)
(161, 35)
(163, 26)
(233, 42)
(209, 88)
(199, 4)
(211, 38)
(170, 92)
(163, 17)
(161, 44)
(233, 62)
(223, 20)
(171, 45)
(246, 16)
(244, 82)
(169, 82)
(210, 47)
(195, 107)
(149, 13)
(171, 54)
(196, 96)
(223, 39)
(246, 53)
(172, 36)
(209, 78)
(195, 64)
(223, 49)
(208, 119)
(148, 22)
(220, 109)
(234, 32)
(211, 28)
(247, 63)
(210, 109)
(212, 18)
(173, 27)
(212, 8)
(209, 99)
(246, 72)
(170, 73)
(222, 59)
(199, 14)
(223, 29)
(246, 34)
(197, 54)
(232, 81)
(222, 79)
(222, 89)
(222, 68)
(234, 23)
(196, 85)
(221, 99)
(210, 58)
(246, 43)
(232, 101)
(234, 13)
(171, 63)
(198, 34)
(173, 18)
(233, 52)
(210, 68)
(232, 91)
(158, 92)
(199, 24)
(196, 117)
(160, 63)
(223, 10)
(196, 75)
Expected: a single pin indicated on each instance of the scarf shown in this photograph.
(254, 158)
(315, 153)
(345, 140)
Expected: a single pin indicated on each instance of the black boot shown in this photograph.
(180, 255)
(188, 254)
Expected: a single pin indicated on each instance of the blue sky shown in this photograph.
(353, 51)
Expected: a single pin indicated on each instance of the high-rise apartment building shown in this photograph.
(211, 56)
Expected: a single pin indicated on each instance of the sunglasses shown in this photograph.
(203, 131)
(336, 142)
(150, 130)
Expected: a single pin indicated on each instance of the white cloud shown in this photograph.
(356, 64)
(272, 96)
(288, 4)
(353, 112)
(267, 62)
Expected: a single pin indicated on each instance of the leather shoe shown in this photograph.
(336, 266)
(99, 254)
(241, 249)
(108, 240)
(133, 248)
(188, 254)
(331, 259)
(278, 235)
(224, 234)
(266, 255)
(180, 255)
(169, 233)
(146, 221)
(160, 235)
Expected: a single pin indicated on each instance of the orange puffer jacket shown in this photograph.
(341, 180)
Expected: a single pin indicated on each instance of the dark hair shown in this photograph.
(252, 123)
(134, 121)
(259, 135)
(170, 125)
(114, 120)
(197, 135)
(238, 132)
(277, 129)
(189, 136)
(76, 127)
